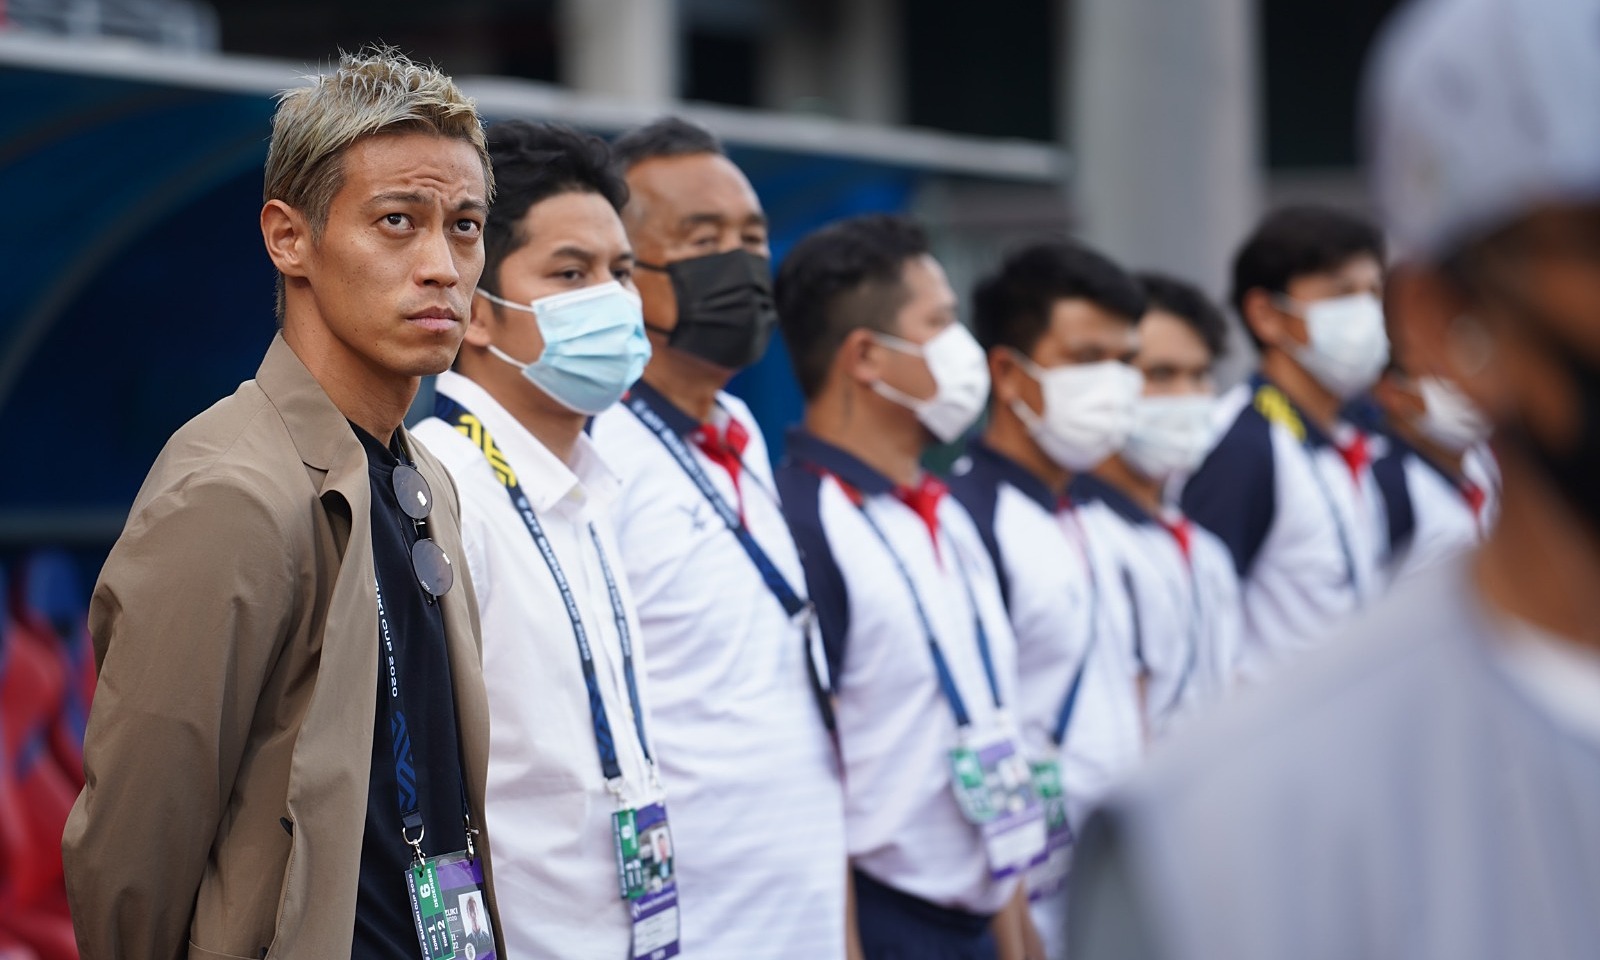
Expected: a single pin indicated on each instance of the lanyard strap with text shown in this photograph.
(473, 429)
(774, 579)
(947, 681)
(405, 764)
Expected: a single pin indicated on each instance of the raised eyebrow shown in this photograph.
(396, 197)
(757, 219)
(473, 205)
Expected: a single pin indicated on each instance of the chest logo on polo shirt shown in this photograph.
(1271, 403)
(698, 516)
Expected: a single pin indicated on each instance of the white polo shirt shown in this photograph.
(1182, 593)
(1299, 513)
(548, 806)
(896, 726)
(1433, 516)
(757, 808)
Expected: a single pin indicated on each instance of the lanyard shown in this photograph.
(1349, 554)
(821, 680)
(405, 765)
(947, 681)
(469, 425)
(1069, 703)
(774, 579)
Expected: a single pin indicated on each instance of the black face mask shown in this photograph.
(725, 310)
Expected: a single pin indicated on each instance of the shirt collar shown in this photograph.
(988, 460)
(1086, 487)
(679, 421)
(1314, 435)
(543, 476)
(808, 450)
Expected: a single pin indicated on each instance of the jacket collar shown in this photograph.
(321, 434)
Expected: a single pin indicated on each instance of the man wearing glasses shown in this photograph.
(288, 745)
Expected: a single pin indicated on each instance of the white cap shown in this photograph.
(1481, 110)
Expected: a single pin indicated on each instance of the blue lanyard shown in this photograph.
(1069, 703)
(777, 584)
(1349, 554)
(774, 579)
(947, 681)
(469, 425)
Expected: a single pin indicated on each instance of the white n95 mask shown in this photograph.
(1449, 418)
(1348, 346)
(1170, 436)
(960, 373)
(1088, 410)
(594, 345)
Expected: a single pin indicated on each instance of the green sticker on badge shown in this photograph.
(427, 907)
(630, 872)
(971, 787)
(1052, 796)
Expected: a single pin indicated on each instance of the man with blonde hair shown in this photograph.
(287, 752)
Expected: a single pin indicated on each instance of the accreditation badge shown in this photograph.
(1049, 872)
(994, 788)
(448, 906)
(647, 880)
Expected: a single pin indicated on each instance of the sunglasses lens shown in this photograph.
(412, 491)
(432, 567)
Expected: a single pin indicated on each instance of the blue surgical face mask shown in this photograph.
(595, 347)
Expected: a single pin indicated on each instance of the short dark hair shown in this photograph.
(1188, 303)
(534, 162)
(666, 137)
(847, 275)
(1294, 242)
(1011, 307)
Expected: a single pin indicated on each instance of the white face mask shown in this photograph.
(960, 373)
(1088, 410)
(1450, 419)
(1171, 435)
(1348, 346)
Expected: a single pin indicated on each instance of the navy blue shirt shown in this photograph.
(384, 926)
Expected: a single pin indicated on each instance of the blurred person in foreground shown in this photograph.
(738, 707)
(1177, 576)
(1288, 486)
(256, 784)
(555, 336)
(1430, 787)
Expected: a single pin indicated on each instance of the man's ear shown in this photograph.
(1263, 318)
(287, 235)
(480, 322)
(858, 359)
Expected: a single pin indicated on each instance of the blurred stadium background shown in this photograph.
(134, 133)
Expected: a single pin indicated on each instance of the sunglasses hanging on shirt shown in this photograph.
(428, 560)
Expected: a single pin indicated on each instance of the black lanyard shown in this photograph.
(473, 428)
(405, 765)
(947, 681)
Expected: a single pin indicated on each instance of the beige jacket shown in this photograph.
(236, 632)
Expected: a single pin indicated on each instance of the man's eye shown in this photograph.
(395, 219)
(622, 274)
(468, 227)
